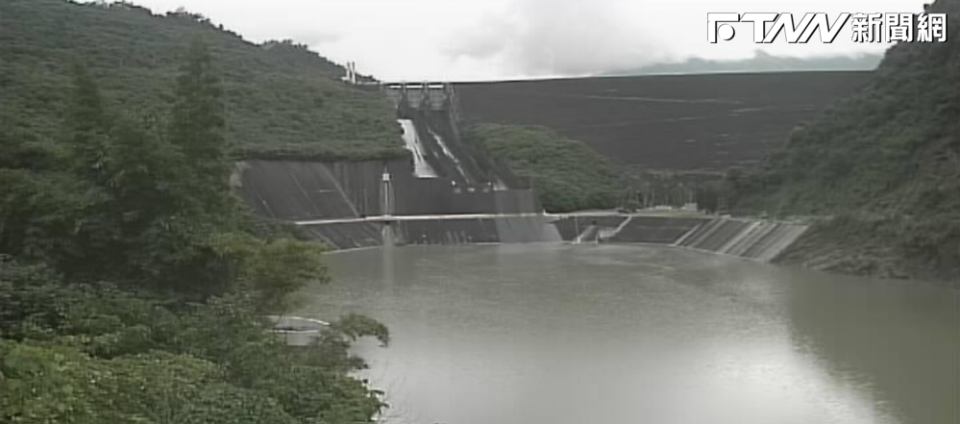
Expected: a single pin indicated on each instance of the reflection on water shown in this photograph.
(616, 334)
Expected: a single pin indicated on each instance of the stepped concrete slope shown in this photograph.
(661, 230)
(666, 122)
(753, 239)
(760, 240)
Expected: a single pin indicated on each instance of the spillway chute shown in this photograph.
(421, 167)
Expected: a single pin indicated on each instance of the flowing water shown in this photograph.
(560, 334)
(421, 168)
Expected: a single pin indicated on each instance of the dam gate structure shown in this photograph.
(436, 96)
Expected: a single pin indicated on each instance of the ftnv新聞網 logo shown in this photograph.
(865, 27)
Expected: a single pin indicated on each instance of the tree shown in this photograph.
(116, 199)
(197, 128)
(173, 194)
(279, 268)
(88, 125)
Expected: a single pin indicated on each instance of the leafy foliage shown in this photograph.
(91, 354)
(567, 174)
(279, 98)
(144, 201)
(886, 160)
(276, 269)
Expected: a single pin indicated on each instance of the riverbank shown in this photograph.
(877, 247)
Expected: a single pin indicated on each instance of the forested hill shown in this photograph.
(280, 98)
(134, 287)
(884, 162)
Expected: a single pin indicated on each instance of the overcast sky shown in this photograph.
(500, 39)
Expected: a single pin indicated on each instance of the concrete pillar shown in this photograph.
(387, 208)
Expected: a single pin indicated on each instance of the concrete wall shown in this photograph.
(572, 227)
(466, 182)
(533, 229)
(306, 190)
(753, 239)
(667, 122)
(748, 238)
(527, 229)
(656, 229)
(350, 235)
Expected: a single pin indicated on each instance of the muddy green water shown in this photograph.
(551, 334)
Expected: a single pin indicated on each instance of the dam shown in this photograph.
(448, 193)
(705, 122)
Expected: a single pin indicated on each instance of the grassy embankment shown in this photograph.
(567, 174)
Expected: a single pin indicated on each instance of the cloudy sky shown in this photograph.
(501, 39)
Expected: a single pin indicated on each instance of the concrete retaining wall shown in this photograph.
(527, 229)
(307, 190)
(573, 227)
(753, 239)
(748, 238)
(350, 235)
(656, 229)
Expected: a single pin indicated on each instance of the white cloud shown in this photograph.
(489, 39)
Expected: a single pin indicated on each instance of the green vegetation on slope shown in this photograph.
(133, 288)
(567, 174)
(885, 162)
(280, 99)
(95, 354)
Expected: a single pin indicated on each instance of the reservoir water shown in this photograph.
(563, 334)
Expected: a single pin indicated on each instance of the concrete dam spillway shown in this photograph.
(473, 198)
(448, 192)
(421, 168)
(340, 197)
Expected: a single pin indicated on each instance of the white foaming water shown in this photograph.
(421, 168)
(446, 151)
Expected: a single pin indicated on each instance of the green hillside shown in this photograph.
(280, 99)
(134, 288)
(885, 164)
(568, 175)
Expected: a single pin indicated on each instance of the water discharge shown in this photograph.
(421, 168)
(448, 152)
(562, 334)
